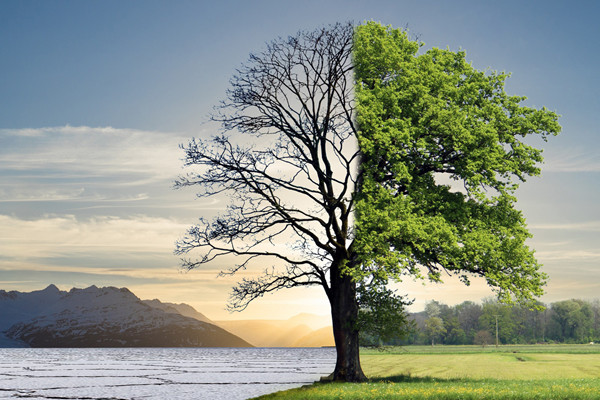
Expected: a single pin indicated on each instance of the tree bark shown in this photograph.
(344, 315)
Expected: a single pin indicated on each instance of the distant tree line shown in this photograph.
(568, 321)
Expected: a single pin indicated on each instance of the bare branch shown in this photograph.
(292, 190)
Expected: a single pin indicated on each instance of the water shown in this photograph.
(161, 374)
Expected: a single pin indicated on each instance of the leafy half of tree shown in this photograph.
(334, 148)
(443, 150)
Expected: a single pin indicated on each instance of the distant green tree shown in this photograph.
(596, 326)
(569, 321)
(382, 317)
(468, 314)
(454, 333)
(508, 326)
(575, 319)
(434, 327)
(530, 322)
(433, 309)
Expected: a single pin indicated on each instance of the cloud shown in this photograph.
(572, 160)
(588, 226)
(568, 255)
(37, 194)
(129, 155)
(132, 246)
(68, 236)
(71, 169)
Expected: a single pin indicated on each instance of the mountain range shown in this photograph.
(113, 317)
(101, 317)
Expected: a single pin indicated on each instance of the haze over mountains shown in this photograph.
(303, 330)
(111, 317)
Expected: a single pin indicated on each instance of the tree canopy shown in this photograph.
(443, 150)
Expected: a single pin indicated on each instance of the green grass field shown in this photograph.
(468, 372)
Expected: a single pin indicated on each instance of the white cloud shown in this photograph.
(96, 166)
(37, 194)
(572, 160)
(568, 255)
(66, 152)
(144, 244)
(588, 226)
(67, 236)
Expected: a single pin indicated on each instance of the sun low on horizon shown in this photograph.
(97, 97)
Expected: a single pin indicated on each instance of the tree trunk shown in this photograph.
(344, 314)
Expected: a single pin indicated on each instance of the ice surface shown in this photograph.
(158, 373)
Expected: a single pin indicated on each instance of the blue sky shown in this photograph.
(95, 97)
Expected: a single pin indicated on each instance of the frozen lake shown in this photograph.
(158, 373)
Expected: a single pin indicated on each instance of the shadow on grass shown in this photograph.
(415, 379)
(402, 378)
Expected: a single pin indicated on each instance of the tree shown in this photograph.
(454, 333)
(483, 338)
(575, 319)
(382, 316)
(350, 129)
(595, 305)
(434, 327)
(433, 309)
(293, 189)
(508, 323)
(468, 317)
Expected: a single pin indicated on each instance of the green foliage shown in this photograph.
(508, 326)
(443, 151)
(575, 320)
(455, 334)
(433, 309)
(382, 316)
(569, 321)
(434, 326)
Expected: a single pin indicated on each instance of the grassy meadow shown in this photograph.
(468, 372)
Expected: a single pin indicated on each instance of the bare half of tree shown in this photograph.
(288, 160)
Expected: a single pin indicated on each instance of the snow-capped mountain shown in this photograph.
(102, 317)
(182, 308)
(17, 306)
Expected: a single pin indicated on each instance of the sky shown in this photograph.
(96, 96)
